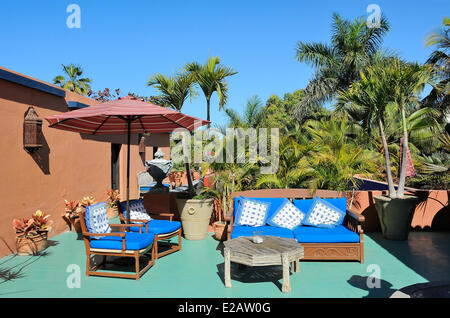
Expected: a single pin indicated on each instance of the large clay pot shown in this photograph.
(395, 215)
(220, 231)
(195, 216)
(31, 244)
(75, 225)
(112, 212)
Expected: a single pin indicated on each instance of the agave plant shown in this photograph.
(86, 201)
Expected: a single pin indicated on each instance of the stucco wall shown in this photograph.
(68, 166)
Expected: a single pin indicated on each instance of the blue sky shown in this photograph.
(121, 43)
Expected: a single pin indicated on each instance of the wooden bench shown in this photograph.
(313, 251)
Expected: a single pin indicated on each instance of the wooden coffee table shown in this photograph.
(272, 251)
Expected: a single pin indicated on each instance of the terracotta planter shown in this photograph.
(220, 231)
(395, 215)
(75, 225)
(195, 216)
(112, 212)
(32, 244)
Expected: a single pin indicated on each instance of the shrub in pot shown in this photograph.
(112, 209)
(71, 215)
(32, 234)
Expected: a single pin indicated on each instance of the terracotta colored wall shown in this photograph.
(69, 166)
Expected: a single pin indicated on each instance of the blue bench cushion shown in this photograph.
(322, 213)
(133, 241)
(137, 210)
(338, 234)
(242, 230)
(97, 220)
(158, 227)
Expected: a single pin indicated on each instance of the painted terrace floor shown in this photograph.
(197, 272)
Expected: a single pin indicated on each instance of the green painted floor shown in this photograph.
(197, 271)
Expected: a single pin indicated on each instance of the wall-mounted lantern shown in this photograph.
(32, 131)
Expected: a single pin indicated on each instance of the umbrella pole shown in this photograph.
(128, 171)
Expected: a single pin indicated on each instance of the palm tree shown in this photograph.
(336, 156)
(439, 96)
(251, 117)
(74, 83)
(353, 45)
(389, 82)
(211, 78)
(174, 90)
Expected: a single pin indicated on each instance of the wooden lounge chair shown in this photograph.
(120, 244)
(162, 229)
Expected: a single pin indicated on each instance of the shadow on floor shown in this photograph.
(380, 289)
(426, 253)
(12, 271)
(252, 274)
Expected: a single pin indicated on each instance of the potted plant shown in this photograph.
(112, 209)
(223, 200)
(32, 234)
(71, 216)
(86, 201)
(390, 84)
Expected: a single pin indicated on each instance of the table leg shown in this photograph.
(286, 287)
(296, 266)
(227, 256)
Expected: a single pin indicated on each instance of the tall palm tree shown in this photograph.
(174, 92)
(74, 82)
(338, 64)
(389, 82)
(211, 77)
(174, 89)
(439, 96)
(251, 117)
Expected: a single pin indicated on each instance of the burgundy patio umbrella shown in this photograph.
(125, 115)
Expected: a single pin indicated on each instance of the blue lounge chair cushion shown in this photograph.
(323, 214)
(97, 220)
(133, 241)
(158, 227)
(243, 230)
(338, 234)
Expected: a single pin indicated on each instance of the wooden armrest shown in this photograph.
(169, 215)
(358, 217)
(137, 220)
(122, 235)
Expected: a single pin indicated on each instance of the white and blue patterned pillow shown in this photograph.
(97, 220)
(287, 216)
(137, 210)
(323, 214)
(252, 212)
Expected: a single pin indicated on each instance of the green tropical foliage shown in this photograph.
(338, 64)
(174, 90)
(74, 82)
(211, 78)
